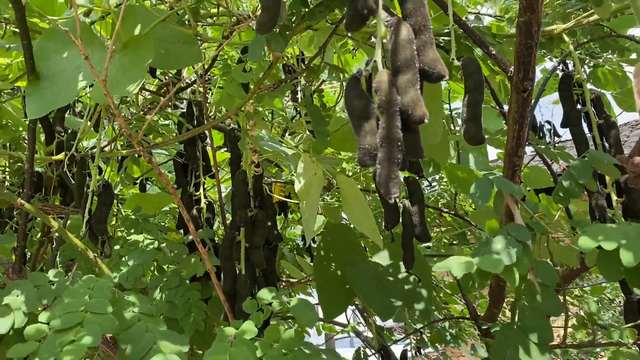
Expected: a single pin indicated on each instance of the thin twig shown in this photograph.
(502, 63)
(125, 128)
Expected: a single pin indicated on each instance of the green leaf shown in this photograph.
(610, 236)
(491, 263)
(357, 210)
(604, 163)
(519, 232)
(506, 247)
(337, 248)
(342, 137)
(537, 177)
(128, 68)
(507, 186)
(74, 351)
(22, 350)
(173, 49)
(481, 191)
(309, 182)
(602, 8)
(35, 331)
(61, 67)
(492, 120)
(546, 273)
(433, 131)
(609, 265)
(460, 177)
(304, 312)
(457, 265)
(247, 330)
(148, 203)
(99, 306)
(256, 49)
(292, 270)
(266, 295)
(66, 321)
(171, 342)
(6, 319)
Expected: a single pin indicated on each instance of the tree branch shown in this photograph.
(502, 63)
(528, 29)
(20, 261)
(590, 345)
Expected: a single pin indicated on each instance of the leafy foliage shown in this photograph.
(144, 291)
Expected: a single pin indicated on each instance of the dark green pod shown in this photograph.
(180, 170)
(571, 115)
(412, 141)
(413, 167)
(390, 146)
(271, 214)
(207, 169)
(256, 258)
(80, 180)
(471, 116)
(367, 7)
(269, 16)
(232, 140)
(258, 188)
(100, 217)
(361, 111)
(609, 127)
(416, 199)
(240, 197)
(244, 289)
(408, 233)
(270, 272)
(391, 210)
(416, 14)
(404, 71)
(260, 230)
(355, 20)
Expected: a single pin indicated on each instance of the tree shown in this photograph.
(182, 179)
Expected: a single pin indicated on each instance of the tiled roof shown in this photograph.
(629, 134)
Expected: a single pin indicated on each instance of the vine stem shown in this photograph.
(377, 55)
(163, 177)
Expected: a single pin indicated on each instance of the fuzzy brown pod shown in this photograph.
(361, 111)
(390, 146)
(390, 210)
(405, 74)
(269, 16)
(355, 20)
(472, 130)
(417, 209)
(632, 165)
(416, 14)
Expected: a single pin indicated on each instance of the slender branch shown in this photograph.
(570, 275)
(473, 313)
(20, 261)
(563, 28)
(502, 63)
(55, 226)
(528, 29)
(496, 98)
(163, 177)
(258, 88)
(454, 214)
(590, 345)
(431, 323)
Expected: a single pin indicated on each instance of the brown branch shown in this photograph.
(502, 63)
(528, 29)
(20, 253)
(590, 345)
(473, 313)
(568, 276)
(163, 177)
